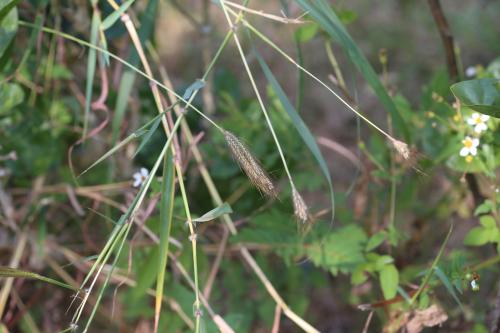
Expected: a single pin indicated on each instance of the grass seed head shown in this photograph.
(299, 206)
(250, 165)
(402, 148)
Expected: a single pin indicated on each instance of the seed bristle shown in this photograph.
(250, 165)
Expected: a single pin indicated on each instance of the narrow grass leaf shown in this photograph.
(114, 16)
(6, 272)
(225, 208)
(166, 211)
(195, 86)
(404, 294)
(329, 21)
(449, 287)
(91, 64)
(148, 136)
(299, 125)
(434, 265)
(117, 147)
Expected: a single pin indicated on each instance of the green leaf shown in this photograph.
(340, 250)
(428, 275)
(484, 208)
(329, 21)
(481, 95)
(375, 240)
(148, 136)
(11, 95)
(91, 64)
(389, 280)
(299, 125)
(166, 211)
(195, 86)
(477, 236)
(306, 32)
(215, 213)
(8, 28)
(488, 222)
(114, 16)
(6, 272)
(6, 6)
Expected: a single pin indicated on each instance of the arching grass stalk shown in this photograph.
(257, 93)
(214, 193)
(135, 38)
(120, 235)
(400, 146)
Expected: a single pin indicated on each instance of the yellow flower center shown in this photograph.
(468, 143)
(478, 120)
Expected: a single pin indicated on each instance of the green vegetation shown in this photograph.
(162, 169)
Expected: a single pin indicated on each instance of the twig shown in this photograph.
(446, 37)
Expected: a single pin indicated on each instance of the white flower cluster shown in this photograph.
(470, 145)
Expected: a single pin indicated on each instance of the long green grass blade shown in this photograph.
(329, 21)
(113, 150)
(6, 272)
(91, 64)
(166, 211)
(299, 125)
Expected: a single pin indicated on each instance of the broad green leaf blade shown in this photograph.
(299, 125)
(215, 213)
(481, 95)
(166, 211)
(8, 28)
(449, 287)
(329, 21)
(389, 281)
(91, 64)
(114, 16)
(195, 86)
(6, 272)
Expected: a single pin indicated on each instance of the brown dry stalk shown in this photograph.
(250, 165)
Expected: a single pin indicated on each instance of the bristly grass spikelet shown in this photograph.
(250, 165)
(300, 208)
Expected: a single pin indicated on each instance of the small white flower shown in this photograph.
(474, 285)
(140, 177)
(479, 122)
(470, 146)
(470, 71)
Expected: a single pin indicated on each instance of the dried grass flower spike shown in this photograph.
(250, 165)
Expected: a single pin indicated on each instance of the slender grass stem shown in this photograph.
(290, 59)
(257, 93)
